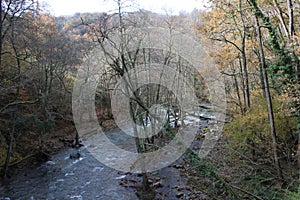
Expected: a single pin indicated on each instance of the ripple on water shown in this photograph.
(120, 177)
(98, 169)
(77, 197)
(80, 159)
(70, 174)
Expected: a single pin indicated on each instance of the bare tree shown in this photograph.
(120, 59)
(11, 61)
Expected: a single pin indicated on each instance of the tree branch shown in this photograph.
(16, 103)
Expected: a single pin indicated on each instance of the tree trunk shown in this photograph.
(237, 88)
(246, 77)
(244, 58)
(243, 84)
(77, 143)
(280, 17)
(291, 37)
(268, 97)
(262, 80)
(9, 148)
(1, 34)
(291, 17)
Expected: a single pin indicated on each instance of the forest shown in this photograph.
(205, 105)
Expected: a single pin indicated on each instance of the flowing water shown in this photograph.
(87, 178)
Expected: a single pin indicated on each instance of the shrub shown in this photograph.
(251, 133)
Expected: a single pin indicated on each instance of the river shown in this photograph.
(86, 178)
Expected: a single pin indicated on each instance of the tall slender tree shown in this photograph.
(268, 98)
